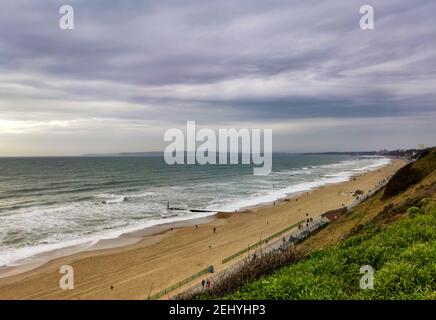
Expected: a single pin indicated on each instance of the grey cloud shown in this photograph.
(217, 61)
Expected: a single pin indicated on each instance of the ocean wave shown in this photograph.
(295, 172)
(19, 256)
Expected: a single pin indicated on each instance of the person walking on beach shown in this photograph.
(214, 230)
(203, 283)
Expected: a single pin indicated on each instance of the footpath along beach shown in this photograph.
(143, 263)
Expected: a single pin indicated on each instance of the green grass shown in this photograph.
(402, 254)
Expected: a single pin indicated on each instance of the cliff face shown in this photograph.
(411, 174)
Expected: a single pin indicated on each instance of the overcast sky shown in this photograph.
(132, 69)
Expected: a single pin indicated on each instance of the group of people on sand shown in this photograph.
(214, 229)
(308, 220)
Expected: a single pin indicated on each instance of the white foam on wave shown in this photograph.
(380, 163)
(20, 256)
(282, 193)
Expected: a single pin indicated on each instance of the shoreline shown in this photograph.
(133, 235)
(125, 239)
(151, 238)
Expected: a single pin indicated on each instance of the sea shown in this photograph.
(58, 202)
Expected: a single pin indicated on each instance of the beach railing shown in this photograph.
(369, 194)
(180, 284)
(305, 233)
(261, 242)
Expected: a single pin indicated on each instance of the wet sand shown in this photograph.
(141, 263)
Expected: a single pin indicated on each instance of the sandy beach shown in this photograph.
(142, 263)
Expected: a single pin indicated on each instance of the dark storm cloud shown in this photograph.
(217, 61)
